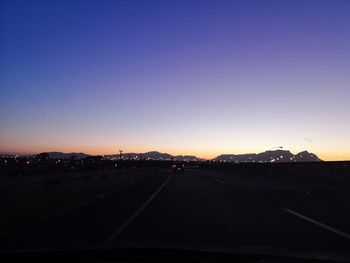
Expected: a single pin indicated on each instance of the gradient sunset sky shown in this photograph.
(183, 77)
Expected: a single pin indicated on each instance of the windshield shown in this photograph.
(211, 125)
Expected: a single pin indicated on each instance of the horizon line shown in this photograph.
(135, 152)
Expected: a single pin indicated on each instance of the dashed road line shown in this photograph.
(219, 181)
(108, 241)
(315, 222)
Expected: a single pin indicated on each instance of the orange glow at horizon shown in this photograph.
(205, 154)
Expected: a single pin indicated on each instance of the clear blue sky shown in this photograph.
(191, 77)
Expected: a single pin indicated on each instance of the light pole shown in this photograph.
(273, 148)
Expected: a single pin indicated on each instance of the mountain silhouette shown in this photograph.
(154, 155)
(279, 156)
(61, 155)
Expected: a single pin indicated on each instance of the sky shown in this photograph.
(183, 77)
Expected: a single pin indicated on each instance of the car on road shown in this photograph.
(178, 167)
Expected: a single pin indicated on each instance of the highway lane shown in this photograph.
(86, 226)
(202, 208)
(320, 201)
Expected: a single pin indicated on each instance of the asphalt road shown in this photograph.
(200, 209)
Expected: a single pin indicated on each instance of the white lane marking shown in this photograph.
(219, 181)
(123, 226)
(329, 228)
